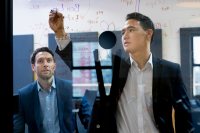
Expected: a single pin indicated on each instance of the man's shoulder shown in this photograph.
(28, 86)
(167, 63)
(27, 90)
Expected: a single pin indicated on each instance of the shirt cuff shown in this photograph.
(63, 42)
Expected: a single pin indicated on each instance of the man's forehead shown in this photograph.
(43, 54)
(131, 23)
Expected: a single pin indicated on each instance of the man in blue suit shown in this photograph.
(46, 104)
(144, 90)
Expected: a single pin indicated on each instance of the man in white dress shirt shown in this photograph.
(144, 88)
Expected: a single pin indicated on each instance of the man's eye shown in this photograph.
(50, 60)
(40, 61)
(131, 30)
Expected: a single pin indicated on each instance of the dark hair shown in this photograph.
(145, 21)
(42, 49)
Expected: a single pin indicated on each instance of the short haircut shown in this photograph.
(145, 21)
(42, 49)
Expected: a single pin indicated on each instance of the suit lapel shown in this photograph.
(157, 70)
(156, 75)
(123, 73)
(60, 103)
(120, 75)
(37, 109)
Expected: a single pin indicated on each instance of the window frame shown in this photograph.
(186, 47)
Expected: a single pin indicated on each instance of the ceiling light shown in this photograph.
(189, 4)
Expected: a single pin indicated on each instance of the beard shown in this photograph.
(46, 76)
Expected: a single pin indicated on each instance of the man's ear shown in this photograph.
(149, 33)
(55, 67)
(33, 67)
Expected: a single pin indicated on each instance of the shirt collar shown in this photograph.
(53, 85)
(150, 61)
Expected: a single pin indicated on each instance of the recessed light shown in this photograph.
(189, 4)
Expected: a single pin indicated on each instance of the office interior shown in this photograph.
(177, 39)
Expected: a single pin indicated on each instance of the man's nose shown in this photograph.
(125, 35)
(45, 63)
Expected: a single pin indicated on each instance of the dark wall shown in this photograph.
(22, 73)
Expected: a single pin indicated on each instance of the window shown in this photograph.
(196, 66)
(83, 74)
(190, 59)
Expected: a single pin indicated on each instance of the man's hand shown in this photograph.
(56, 23)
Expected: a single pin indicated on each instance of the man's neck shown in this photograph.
(141, 58)
(46, 83)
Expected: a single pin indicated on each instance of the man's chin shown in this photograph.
(126, 50)
(46, 77)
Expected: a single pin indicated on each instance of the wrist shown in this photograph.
(60, 33)
(64, 36)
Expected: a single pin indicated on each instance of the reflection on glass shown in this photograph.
(87, 79)
(196, 49)
(80, 91)
(196, 81)
(83, 54)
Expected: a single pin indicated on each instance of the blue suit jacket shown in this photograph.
(29, 108)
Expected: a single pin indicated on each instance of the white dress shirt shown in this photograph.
(63, 42)
(134, 111)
